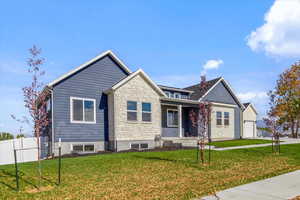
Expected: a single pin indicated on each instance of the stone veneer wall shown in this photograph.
(139, 90)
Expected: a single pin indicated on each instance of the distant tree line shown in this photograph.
(9, 136)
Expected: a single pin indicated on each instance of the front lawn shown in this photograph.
(148, 175)
(241, 142)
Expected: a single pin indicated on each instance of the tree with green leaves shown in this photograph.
(6, 136)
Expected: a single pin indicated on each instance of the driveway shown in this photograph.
(281, 187)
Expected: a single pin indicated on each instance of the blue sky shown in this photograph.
(170, 40)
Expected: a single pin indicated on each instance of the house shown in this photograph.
(102, 105)
(249, 120)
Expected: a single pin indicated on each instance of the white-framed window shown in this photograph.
(139, 146)
(226, 118)
(131, 110)
(172, 118)
(146, 112)
(219, 118)
(177, 95)
(168, 94)
(80, 148)
(83, 110)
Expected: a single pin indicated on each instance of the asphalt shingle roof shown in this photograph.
(199, 92)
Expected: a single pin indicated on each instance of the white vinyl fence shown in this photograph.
(27, 152)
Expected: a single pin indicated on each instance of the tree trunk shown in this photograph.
(297, 128)
(293, 129)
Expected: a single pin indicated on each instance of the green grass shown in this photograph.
(241, 142)
(147, 175)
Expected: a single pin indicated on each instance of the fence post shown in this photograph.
(59, 161)
(59, 165)
(16, 167)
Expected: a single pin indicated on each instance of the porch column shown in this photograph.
(180, 120)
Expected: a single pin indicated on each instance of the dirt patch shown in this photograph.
(41, 189)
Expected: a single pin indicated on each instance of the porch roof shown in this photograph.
(184, 102)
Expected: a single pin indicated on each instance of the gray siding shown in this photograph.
(87, 83)
(220, 94)
(168, 131)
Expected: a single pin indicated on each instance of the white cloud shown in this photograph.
(280, 34)
(211, 64)
(250, 96)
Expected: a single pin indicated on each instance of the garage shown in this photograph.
(249, 121)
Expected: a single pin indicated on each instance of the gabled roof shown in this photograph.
(200, 93)
(247, 105)
(106, 53)
(174, 89)
(128, 78)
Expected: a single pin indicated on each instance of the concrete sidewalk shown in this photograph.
(284, 141)
(281, 187)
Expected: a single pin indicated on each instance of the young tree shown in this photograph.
(35, 98)
(200, 119)
(286, 98)
(273, 122)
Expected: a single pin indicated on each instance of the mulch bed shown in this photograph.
(160, 149)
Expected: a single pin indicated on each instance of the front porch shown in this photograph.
(176, 122)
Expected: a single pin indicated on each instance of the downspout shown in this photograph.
(52, 122)
(242, 123)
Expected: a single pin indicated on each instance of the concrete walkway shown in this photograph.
(284, 141)
(281, 187)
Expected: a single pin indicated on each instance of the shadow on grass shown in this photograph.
(13, 175)
(194, 164)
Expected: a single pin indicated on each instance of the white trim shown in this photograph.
(109, 52)
(52, 122)
(71, 110)
(229, 88)
(175, 89)
(224, 104)
(180, 100)
(172, 126)
(142, 73)
(180, 119)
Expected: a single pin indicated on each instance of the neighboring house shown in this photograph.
(101, 105)
(250, 119)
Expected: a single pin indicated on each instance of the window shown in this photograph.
(144, 146)
(184, 96)
(83, 110)
(226, 118)
(172, 118)
(177, 95)
(138, 146)
(89, 147)
(78, 148)
(219, 118)
(135, 146)
(83, 148)
(168, 94)
(146, 112)
(48, 106)
(131, 110)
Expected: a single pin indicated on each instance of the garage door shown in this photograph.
(248, 129)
